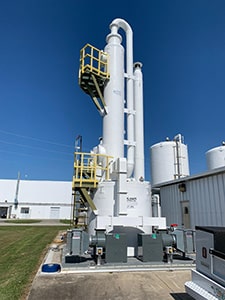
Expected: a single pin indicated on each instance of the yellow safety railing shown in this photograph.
(90, 168)
(94, 60)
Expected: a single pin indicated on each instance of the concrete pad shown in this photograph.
(151, 285)
(102, 284)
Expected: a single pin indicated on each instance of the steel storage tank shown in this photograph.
(215, 158)
(169, 160)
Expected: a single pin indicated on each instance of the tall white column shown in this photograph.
(139, 172)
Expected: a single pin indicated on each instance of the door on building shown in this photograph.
(3, 212)
(54, 212)
(185, 214)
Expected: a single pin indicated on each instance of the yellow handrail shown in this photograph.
(90, 168)
(94, 61)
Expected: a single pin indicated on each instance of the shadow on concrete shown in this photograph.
(181, 296)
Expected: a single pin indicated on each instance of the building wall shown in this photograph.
(36, 199)
(205, 199)
(170, 204)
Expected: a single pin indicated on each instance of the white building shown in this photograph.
(36, 199)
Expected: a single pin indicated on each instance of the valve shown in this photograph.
(99, 252)
(169, 253)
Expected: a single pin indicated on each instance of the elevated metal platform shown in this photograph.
(93, 75)
(89, 169)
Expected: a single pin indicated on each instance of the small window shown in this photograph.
(25, 210)
(204, 252)
(185, 210)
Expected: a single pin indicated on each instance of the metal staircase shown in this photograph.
(89, 170)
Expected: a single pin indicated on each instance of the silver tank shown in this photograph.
(215, 157)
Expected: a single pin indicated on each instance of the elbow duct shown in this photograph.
(114, 26)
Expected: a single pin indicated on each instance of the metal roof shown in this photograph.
(192, 177)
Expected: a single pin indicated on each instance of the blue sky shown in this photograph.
(180, 43)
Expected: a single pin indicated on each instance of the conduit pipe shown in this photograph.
(114, 26)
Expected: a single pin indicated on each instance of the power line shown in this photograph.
(33, 147)
(34, 139)
(72, 147)
(31, 155)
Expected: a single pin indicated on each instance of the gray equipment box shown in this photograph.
(210, 256)
(185, 240)
(150, 247)
(80, 242)
(116, 248)
(77, 241)
(77, 245)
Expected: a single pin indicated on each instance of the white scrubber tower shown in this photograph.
(112, 180)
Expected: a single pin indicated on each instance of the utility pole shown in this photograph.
(17, 191)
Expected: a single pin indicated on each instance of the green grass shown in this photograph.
(21, 250)
(64, 221)
(22, 221)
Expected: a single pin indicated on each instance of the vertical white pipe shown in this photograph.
(139, 172)
(120, 23)
(113, 122)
